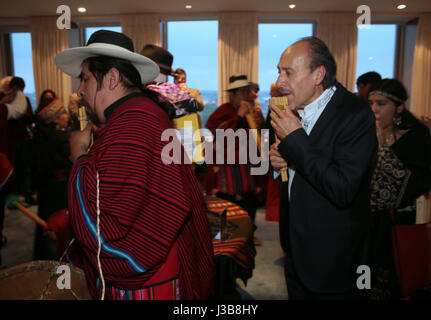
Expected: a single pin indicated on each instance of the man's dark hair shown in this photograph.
(369, 77)
(17, 82)
(321, 56)
(129, 77)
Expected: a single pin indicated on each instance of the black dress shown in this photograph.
(51, 165)
(402, 174)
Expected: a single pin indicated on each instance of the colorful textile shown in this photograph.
(168, 289)
(170, 91)
(152, 217)
(52, 111)
(235, 247)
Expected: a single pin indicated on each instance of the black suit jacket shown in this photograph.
(326, 224)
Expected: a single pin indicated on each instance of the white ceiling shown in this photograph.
(26, 8)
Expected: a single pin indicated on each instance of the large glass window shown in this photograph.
(23, 63)
(89, 31)
(274, 38)
(194, 47)
(376, 50)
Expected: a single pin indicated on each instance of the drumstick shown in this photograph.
(281, 103)
(12, 202)
(252, 124)
(32, 216)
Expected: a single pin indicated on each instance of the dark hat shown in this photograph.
(237, 81)
(161, 56)
(106, 43)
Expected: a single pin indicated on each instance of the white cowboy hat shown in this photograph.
(237, 81)
(106, 43)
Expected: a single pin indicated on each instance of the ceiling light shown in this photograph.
(189, 6)
(401, 6)
(292, 6)
(82, 9)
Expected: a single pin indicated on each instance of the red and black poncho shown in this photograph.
(148, 210)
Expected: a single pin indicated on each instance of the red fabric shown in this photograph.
(412, 252)
(226, 117)
(59, 223)
(146, 206)
(5, 144)
(6, 170)
(273, 200)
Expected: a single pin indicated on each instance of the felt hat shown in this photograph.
(161, 56)
(111, 44)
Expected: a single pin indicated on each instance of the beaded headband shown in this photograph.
(387, 95)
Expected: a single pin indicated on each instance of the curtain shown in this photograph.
(237, 49)
(47, 41)
(340, 33)
(421, 93)
(142, 29)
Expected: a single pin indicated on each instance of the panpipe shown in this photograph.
(281, 103)
(252, 124)
(82, 117)
(83, 121)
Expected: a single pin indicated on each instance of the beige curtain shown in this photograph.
(47, 41)
(237, 49)
(142, 29)
(421, 93)
(340, 33)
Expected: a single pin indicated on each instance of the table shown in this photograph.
(233, 257)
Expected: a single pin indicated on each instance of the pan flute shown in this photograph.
(83, 121)
(281, 103)
(252, 124)
(82, 117)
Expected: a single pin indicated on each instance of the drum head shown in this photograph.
(43, 280)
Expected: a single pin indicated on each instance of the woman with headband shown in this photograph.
(402, 174)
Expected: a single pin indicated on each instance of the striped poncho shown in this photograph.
(153, 223)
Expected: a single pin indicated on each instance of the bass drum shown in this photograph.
(43, 280)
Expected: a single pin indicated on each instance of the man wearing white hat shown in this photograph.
(140, 225)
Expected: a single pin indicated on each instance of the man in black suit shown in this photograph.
(324, 209)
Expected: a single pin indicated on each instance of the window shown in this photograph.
(376, 50)
(23, 63)
(91, 30)
(194, 47)
(274, 38)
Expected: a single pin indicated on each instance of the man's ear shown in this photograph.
(318, 75)
(113, 78)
